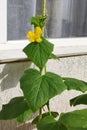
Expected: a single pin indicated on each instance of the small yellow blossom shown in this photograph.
(35, 36)
(38, 31)
(31, 36)
(38, 40)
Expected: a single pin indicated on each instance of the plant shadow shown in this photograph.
(11, 73)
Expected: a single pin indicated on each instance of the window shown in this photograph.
(3, 30)
(66, 18)
(19, 13)
(66, 21)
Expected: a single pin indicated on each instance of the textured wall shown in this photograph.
(9, 85)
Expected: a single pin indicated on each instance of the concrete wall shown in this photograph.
(9, 84)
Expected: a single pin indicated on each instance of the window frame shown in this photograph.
(11, 51)
(3, 21)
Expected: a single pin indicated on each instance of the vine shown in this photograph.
(43, 15)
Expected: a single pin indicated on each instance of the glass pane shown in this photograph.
(18, 16)
(66, 18)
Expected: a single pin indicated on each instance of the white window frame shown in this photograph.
(11, 51)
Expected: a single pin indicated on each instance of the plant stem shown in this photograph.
(40, 114)
(45, 69)
(44, 8)
(44, 12)
(48, 108)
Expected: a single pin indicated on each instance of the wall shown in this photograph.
(9, 84)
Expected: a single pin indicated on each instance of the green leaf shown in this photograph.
(49, 123)
(75, 84)
(39, 53)
(76, 120)
(39, 20)
(53, 56)
(60, 126)
(38, 89)
(82, 99)
(35, 21)
(54, 114)
(25, 116)
(14, 108)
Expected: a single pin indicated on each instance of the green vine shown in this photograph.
(44, 8)
(43, 29)
(44, 13)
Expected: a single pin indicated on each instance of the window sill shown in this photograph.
(12, 51)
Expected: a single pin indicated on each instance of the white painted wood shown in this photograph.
(12, 51)
(3, 21)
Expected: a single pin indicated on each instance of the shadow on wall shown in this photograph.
(9, 77)
(26, 126)
(11, 74)
(13, 125)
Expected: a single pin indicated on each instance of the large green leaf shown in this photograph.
(14, 108)
(49, 123)
(76, 120)
(39, 53)
(25, 116)
(75, 84)
(38, 89)
(82, 99)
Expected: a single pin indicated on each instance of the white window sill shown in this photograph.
(12, 51)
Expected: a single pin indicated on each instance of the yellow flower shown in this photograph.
(39, 40)
(31, 36)
(35, 36)
(38, 31)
